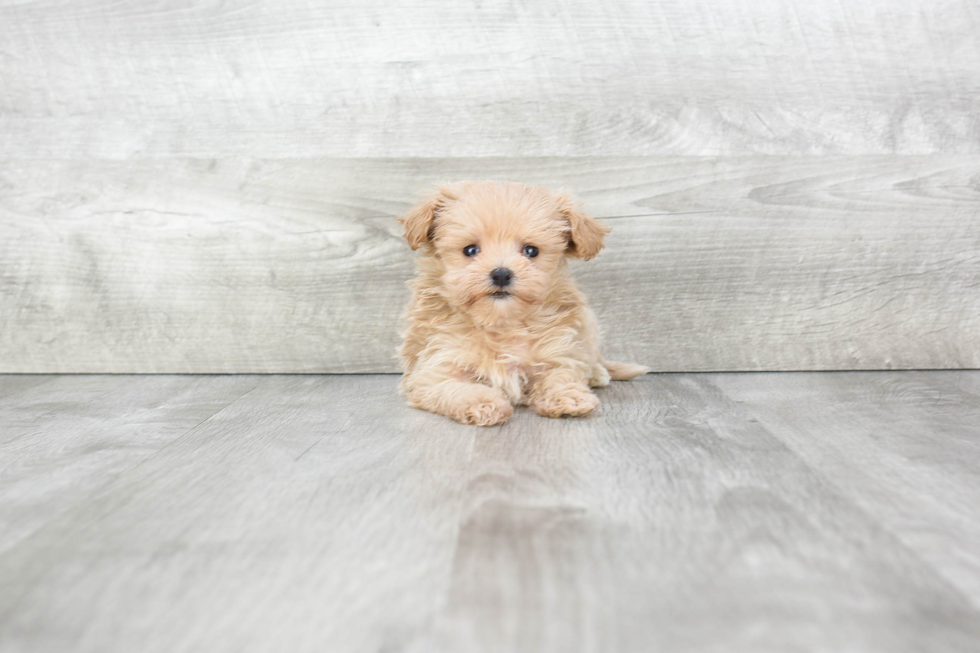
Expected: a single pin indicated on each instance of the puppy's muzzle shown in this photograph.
(501, 277)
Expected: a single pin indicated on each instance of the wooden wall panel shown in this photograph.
(425, 78)
(202, 186)
(192, 265)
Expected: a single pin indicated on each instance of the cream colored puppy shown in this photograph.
(495, 320)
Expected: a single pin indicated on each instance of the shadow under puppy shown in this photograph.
(495, 320)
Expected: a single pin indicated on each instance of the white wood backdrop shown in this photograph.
(211, 186)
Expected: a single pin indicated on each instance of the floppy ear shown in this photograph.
(586, 233)
(420, 219)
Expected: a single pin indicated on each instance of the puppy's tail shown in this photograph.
(624, 371)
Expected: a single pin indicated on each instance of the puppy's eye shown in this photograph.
(471, 250)
(530, 251)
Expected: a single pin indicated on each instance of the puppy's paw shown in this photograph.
(484, 409)
(600, 376)
(573, 400)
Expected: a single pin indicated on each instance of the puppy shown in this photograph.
(495, 320)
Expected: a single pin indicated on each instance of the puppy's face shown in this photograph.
(501, 246)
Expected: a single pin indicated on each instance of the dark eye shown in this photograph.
(530, 251)
(471, 250)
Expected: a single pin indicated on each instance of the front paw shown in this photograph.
(487, 409)
(572, 400)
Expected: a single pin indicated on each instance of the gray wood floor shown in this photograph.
(696, 512)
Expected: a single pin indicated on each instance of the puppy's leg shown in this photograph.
(562, 391)
(598, 376)
(465, 402)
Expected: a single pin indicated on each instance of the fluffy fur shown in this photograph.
(471, 353)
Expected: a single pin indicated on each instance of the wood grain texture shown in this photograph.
(62, 440)
(14, 384)
(312, 514)
(858, 428)
(749, 263)
(675, 522)
(320, 513)
(282, 79)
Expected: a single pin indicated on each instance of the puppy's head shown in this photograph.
(500, 246)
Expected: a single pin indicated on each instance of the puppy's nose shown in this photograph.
(501, 277)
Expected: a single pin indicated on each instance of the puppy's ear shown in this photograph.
(420, 219)
(586, 234)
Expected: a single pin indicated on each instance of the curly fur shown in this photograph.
(470, 355)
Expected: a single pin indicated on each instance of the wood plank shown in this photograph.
(320, 513)
(906, 448)
(754, 263)
(674, 522)
(315, 513)
(62, 441)
(110, 79)
(11, 384)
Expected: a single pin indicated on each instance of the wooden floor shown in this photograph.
(708, 512)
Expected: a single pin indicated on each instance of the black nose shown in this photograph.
(501, 277)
